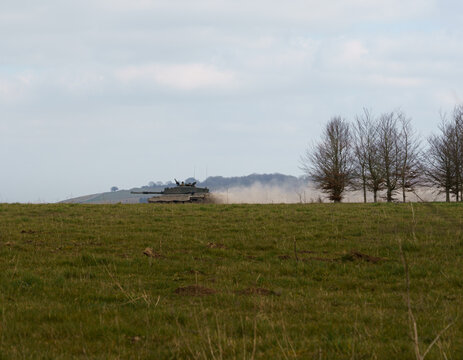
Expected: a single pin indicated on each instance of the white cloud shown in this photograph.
(13, 88)
(331, 12)
(179, 76)
(395, 81)
(75, 81)
(448, 98)
(353, 51)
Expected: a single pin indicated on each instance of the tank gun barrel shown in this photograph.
(146, 192)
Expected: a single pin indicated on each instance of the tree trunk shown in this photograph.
(447, 195)
(364, 191)
(375, 195)
(389, 195)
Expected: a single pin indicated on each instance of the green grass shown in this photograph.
(74, 282)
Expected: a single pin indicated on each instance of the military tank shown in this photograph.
(182, 193)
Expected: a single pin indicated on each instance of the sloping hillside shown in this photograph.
(214, 183)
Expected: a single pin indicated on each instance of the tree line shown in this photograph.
(222, 183)
(383, 155)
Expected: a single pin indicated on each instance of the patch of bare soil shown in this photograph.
(256, 291)
(216, 246)
(153, 254)
(357, 255)
(194, 290)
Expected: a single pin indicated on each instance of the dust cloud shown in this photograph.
(259, 193)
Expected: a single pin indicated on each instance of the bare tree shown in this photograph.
(329, 163)
(410, 161)
(444, 168)
(361, 152)
(457, 152)
(389, 150)
(440, 171)
(369, 166)
(375, 174)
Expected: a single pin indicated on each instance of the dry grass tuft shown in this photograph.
(153, 254)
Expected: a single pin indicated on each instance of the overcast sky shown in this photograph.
(101, 93)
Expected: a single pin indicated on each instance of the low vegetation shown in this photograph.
(315, 281)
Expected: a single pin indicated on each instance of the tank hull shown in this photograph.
(180, 198)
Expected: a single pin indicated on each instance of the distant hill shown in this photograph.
(214, 183)
(280, 180)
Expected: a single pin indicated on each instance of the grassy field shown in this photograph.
(315, 281)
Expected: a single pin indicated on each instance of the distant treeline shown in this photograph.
(383, 155)
(217, 183)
